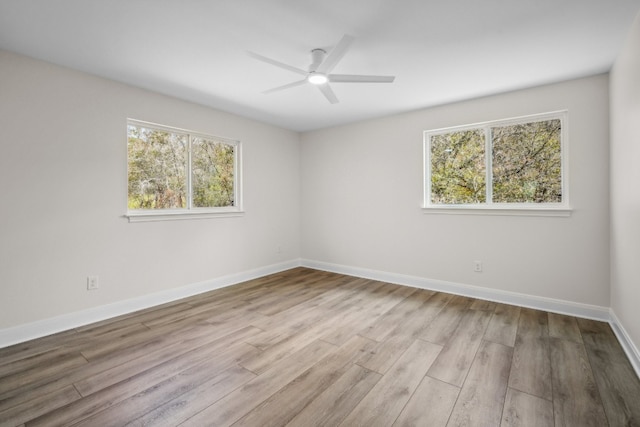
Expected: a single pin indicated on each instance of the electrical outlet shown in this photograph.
(92, 283)
(477, 266)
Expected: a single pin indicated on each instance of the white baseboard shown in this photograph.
(540, 303)
(625, 341)
(41, 328)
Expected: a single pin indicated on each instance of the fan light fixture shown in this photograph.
(319, 72)
(317, 78)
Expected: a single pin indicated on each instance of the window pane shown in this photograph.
(458, 167)
(212, 173)
(527, 163)
(157, 168)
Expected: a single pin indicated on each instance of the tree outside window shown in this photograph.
(515, 162)
(169, 169)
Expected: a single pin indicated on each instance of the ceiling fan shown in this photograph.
(319, 73)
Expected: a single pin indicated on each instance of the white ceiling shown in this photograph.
(439, 50)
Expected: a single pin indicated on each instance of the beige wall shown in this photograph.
(625, 186)
(63, 193)
(362, 192)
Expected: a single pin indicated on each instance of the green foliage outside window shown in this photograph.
(160, 163)
(525, 164)
(458, 167)
(212, 173)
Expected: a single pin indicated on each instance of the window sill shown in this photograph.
(499, 210)
(180, 215)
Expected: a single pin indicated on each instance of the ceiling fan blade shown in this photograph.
(354, 78)
(328, 93)
(335, 55)
(287, 86)
(277, 63)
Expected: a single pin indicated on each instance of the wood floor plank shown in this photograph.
(28, 363)
(237, 315)
(143, 342)
(34, 347)
(525, 410)
(75, 343)
(482, 396)
(361, 319)
(385, 297)
(34, 374)
(282, 298)
(382, 405)
(374, 305)
(598, 335)
(389, 321)
(443, 326)
(194, 346)
(47, 385)
(297, 322)
(237, 404)
(286, 285)
(533, 323)
(292, 398)
(132, 341)
(181, 408)
(36, 407)
(292, 343)
(110, 396)
(614, 375)
(367, 289)
(82, 375)
(65, 351)
(194, 314)
(531, 367)
(311, 291)
(430, 405)
(434, 305)
(168, 390)
(247, 290)
(335, 403)
(106, 334)
(576, 400)
(503, 326)
(404, 332)
(479, 304)
(384, 354)
(332, 299)
(137, 318)
(327, 305)
(565, 327)
(278, 335)
(458, 354)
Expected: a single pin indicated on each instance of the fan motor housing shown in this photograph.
(317, 56)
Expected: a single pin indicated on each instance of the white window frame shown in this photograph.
(190, 212)
(489, 207)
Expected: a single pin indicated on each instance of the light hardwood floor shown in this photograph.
(311, 348)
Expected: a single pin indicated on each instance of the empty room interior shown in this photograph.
(269, 213)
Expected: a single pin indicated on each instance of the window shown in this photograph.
(173, 172)
(513, 164)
